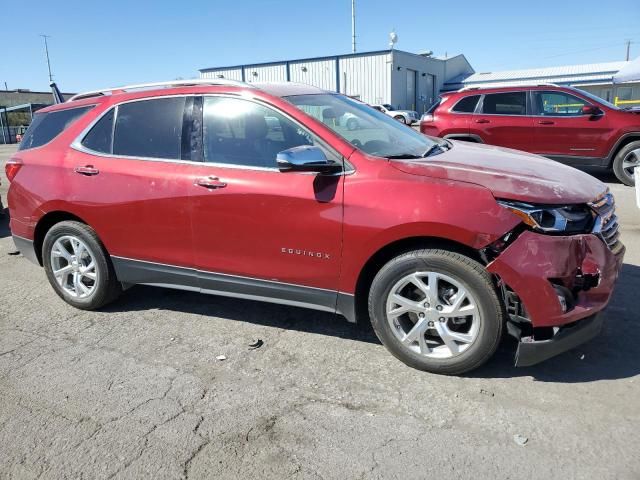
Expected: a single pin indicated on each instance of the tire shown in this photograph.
(621, 163)
(100, 281)
(352, 124)
(482, 330)
(401, 119)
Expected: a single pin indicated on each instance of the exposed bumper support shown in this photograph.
(26, 248)
(531, 352)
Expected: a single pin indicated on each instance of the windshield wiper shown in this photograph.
(436, 147)
(401, 156)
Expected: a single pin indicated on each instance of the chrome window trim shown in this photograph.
(77, 142)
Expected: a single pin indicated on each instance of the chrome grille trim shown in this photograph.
(606, 225)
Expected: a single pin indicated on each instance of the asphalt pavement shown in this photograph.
(139, 390)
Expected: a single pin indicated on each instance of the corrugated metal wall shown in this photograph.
(367, 77)
(231, 74)
(320, 73)
(265, 73)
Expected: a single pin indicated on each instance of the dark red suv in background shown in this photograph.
(262, 192)
(561, 123)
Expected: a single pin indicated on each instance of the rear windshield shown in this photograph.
(46, 126)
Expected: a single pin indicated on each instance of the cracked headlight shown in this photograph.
(553, 218)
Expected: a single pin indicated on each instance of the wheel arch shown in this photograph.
(623, 142)
(378, 259)
(44, 225)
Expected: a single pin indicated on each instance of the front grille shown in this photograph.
(606, 226)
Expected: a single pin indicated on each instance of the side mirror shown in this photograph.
(306, 158)
(591, 110)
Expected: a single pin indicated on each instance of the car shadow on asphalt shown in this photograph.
(612, 355)
(144, 298)
(4, 223)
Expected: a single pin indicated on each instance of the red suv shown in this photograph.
(261, 192)
(561, 123)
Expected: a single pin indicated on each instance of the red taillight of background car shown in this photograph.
(11, 169)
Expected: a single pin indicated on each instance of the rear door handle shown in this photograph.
(482, 120)
(210, 182)
(546, 122)
(88, 170)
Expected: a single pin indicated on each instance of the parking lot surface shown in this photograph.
(137, 391)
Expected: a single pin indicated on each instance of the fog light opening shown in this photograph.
(565, 298)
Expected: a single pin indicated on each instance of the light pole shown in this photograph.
(353, 26)
(46, 49)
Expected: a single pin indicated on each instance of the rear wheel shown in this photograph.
(626, 161)
(437, 311)
(401, 119)
(78, 267)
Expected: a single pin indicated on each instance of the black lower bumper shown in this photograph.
(531, 352)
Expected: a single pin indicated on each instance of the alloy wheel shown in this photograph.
(630, 162)
(74, 267)
(433, 314)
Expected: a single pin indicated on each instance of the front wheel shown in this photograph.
(625, 162)
(437, 311)
(78, 267)
(401, 119)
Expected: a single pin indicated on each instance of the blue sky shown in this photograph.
(99, 44)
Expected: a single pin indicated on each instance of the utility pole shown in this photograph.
(353, 26)
(46, 49)
(628, 46)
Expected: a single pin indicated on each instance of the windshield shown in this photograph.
(596, 98)
(364, 127)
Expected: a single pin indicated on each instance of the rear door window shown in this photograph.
(150, 128)
(46, 126)
(467, 104)
(507, 103)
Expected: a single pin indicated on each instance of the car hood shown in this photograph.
(509, 174)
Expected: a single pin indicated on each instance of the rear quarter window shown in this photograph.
(466, 105)
(46, 126)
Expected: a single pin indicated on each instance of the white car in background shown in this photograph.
(408, 117)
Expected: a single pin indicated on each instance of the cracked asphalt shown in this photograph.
(136, 391)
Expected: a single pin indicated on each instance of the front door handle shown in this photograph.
(210, 182)
(482, 120)
(88, 170)
(546, 122)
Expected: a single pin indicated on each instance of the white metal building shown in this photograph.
(594, 77)
(405, 80)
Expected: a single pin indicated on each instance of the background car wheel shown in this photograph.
(627, 159)
(352, 124)
(78, 267)
(437, 311)
(401, 119)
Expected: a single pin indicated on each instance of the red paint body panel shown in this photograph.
(528, 264)
(509, 174)
(271, 225)
(577, 136)
(511, 132)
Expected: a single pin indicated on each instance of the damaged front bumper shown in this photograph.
(560, 283)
